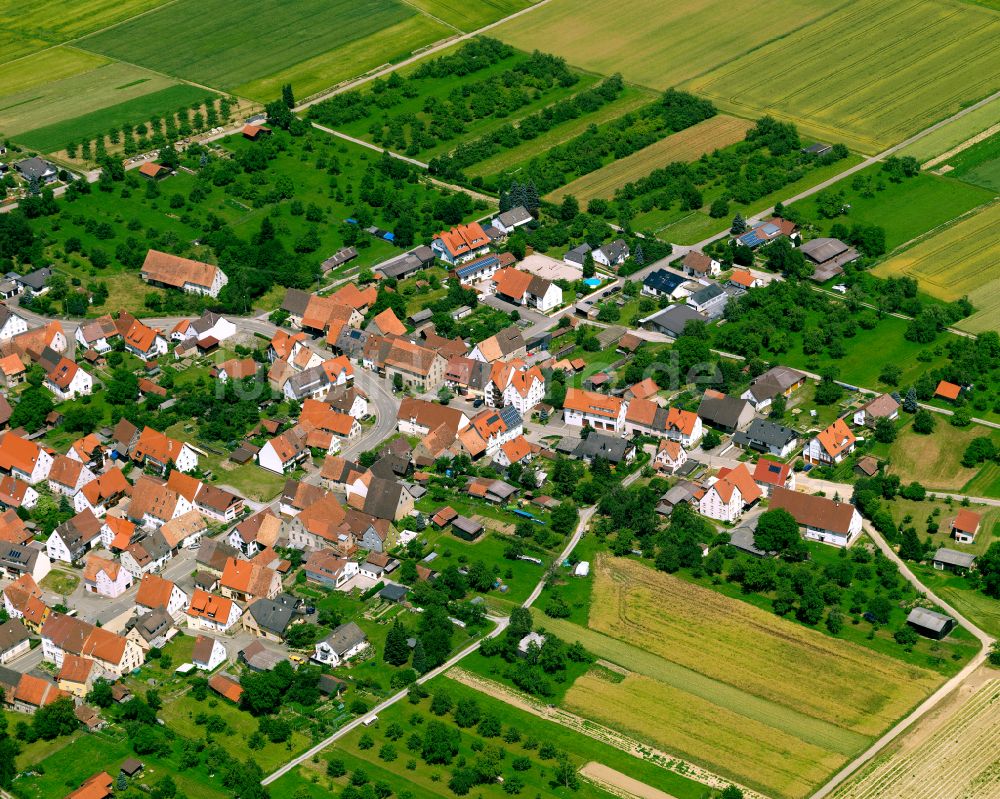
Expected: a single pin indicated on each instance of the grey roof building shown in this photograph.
(765, 436)
(404, 265)
(295, 302)
(342, 256)
(259, 658)
(153, 626)
(661, 281)
(351, 342)
(930, 623)
(671, 321)
(344, 639)
(578, 254)
(952, 559)
(37, 169)
(393, 593)
(18, 559)
(513, 218)
(709, 298)
(272, 615)
(721, 410)
(611, 448)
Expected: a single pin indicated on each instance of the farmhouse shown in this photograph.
(824, 520)
(172, 271)
(405, 265)
(829, 256)
(461, 243)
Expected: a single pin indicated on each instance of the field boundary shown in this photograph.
(618, 784)
(597, 731)
(983, 136)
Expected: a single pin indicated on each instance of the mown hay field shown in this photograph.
(869, 74)
(651, 42)
(962, 260)
(958, 761)
(217, 43)
(753, 650)
(466, 16)
(686, 145)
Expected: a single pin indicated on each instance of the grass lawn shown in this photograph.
(968, 600)
(60, 582)
(986, 483)
(945, 512)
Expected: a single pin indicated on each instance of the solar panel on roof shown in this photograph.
(770, 228)
(774, 468)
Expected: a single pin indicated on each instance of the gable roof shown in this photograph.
(836, 438)
(154, 591)
(947, 390)
(819, 513)
(771, 472)
(966, 521)
(738, 478)
(463, 239)
(388, 323)
(593, 403)
(172, 270)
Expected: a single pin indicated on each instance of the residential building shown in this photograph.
(508, 221)
(461, 243)
(345, 642)
(767, 231)
(505, 345)
(14, 641)
(67, 381)
(732, 492)
(769, 474)
(612, 449)
(157, 592)
(98, 334)
(67, 476)
(483, 268)
(152, 628)
(245, 580)
(270, 618)
(698, 264)
(64, 635)
(208, 653)
(24, 459)
(156, 449)
(284, 452)
(105, 577)
(770, 437)
(881, 407)
(322, 566)
(11, 323)
(172, 271)
(212, 614)
(516, 384)
(661, 283)
(825, 520)
(831, 445)
(144, 342)
(524, 288)
(612, 254)
(72, 539)
(724, 412)
(776, 381)
(965, 526)
(710, 300)
(154, 504)
(184, 531)
(147, 554)
(670, 456)
(418, 417)
(590, 409)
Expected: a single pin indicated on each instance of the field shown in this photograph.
(942, 758)
(933, 460)
(960, 261)
(217, 43)
(954, 133)
(904, 65)
(653, 43)
(686, 145)
(967, 599)
(728, 685)
(465, 16)
(979, 164)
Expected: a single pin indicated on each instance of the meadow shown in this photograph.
(962, 260)
(954, 133)
(905, 210)
(217, 43)
(653, 43)
(979, 164)
(465, 16)
(934, 460)
(868, 74)
(960, 593)
(685, 145)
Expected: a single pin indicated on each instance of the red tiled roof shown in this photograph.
(947, 390)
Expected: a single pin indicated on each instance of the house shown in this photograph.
(258, 657)
(611, 255)
(11, 323)
(153, 171)
(417, 417)
(157, 450)
(825, 520)
(144, 342)
(517, 450)
(767, 231)
(96, 787)
(255, 132)
(77, 675)
(613, 449)
(13, 530)
(744, 279)
(953, 560)
(256, 533)
(698, 264)
(147, 554)
(418, 367)
(246, 580)
(930, 623)
(98, 334)
(344, 643)
(404, 265)
(531, 641)
(270, 618)
(577, 255)
(14, 641)
(118, 533)
(682, 426)
(524, 288)
(22, 599)
(212, 614)
(828, 257)
(13, 370)
(24, 459)
(105, 577)
(157, 592)
(729, 495)
(37, 170)
(709, 300)
(776, 381)
(505, 345)
(590, 409)
(172, 271)
(386, 324)
(671, 321)
(461, 243)
(154, 504)
(284, 452)
(64, 635)
(483, 268)
(661, 283)
(226, 687)
(725, 412)
(508, 221)
(184, 531)
(217, 503)
(948, 391)
(881, 407)
(831, 445)
(769, 474)
(670, 456)
(645, 389)
(208, 653)
(769, 437)
(72, 539)
(236, 369)
(322, 566)
(152, 629)
(30, 693)
(965, 525)
(67, 476)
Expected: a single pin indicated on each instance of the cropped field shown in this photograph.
(55, 137)
(954, 133)
(961, 261)
(217, 43)
(466, 16)
(51, 65)
(869, 74)
(980, 163)
(653, 43)
(957, 761)
(686, 145)
(29, 25)
(77, 94)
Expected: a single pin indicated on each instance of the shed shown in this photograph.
(930, 623)
(953, 560)
(131, 767)
(466, 528)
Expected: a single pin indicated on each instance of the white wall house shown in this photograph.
(11, 324)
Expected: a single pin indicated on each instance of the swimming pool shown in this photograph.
(592, 282)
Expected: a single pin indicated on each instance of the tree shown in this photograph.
(994, 658)
(9, 750)
(885, 430)
(731, 792)
(588, 266)
(739, 225)
(906, 637)
(30, 412)
(55, 719)
(910, 547)
(989, 570)
(719, 208)
(287, 97)
(923, 422)
(100, 694)
(396, 651)
(777, 531)
(711, 440)
(910, 404)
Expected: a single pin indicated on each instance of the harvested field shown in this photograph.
(686, 145)
(618, 784)
(904, 65)
(753, 650)
(958, 761)
(653, 43)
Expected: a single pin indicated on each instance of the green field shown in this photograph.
(88, 86)
(979, 164)
(954, 133)
(55, 137)
(465, 16)
(934, 460)
(869, 74)
(653, 43)
(217, 43)
(904, 210)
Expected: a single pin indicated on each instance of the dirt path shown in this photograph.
(599, 732)
(963, 146)
(618, 784)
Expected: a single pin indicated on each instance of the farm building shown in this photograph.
(930, 623)
(828, 257)
(953, 560)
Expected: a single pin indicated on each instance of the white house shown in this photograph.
(74, 538)
(11, 323)
(831, 445)
(824, 520)
(613, 254)
(508, 221)
(67, 380)
(158, 592)
(211, 613)
(284, 452)
(24, 459)
(105, 577)
(728, 496)
(881, 407)
(208, 653)
(341, 645)
(698, 264)
(172, 271)
(514, 383)
(588, 408)
(144, 342)
(670, 456)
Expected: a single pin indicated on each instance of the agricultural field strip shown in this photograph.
(954, 133)
(807, 728)
(685, 145)
(982, 136)
(931, 769)
(769, 657)
(831, 87)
